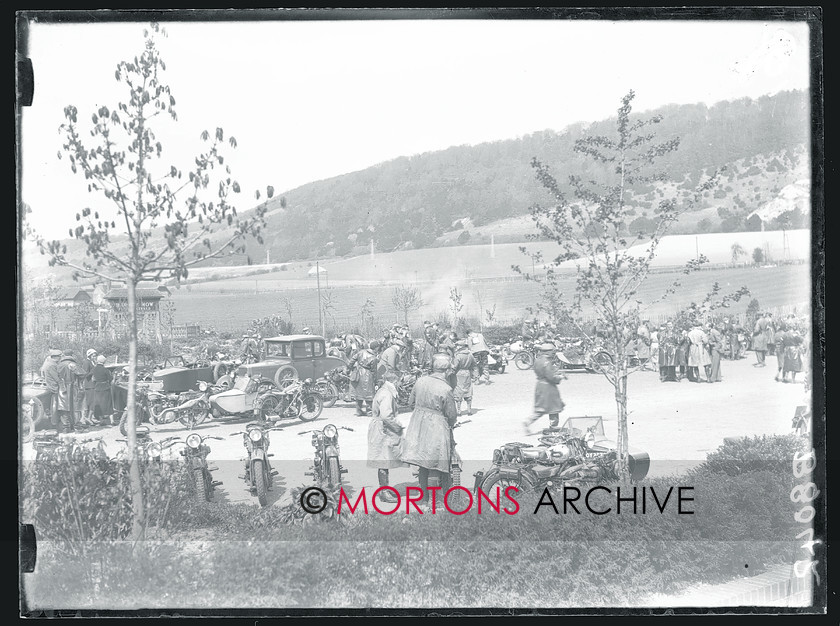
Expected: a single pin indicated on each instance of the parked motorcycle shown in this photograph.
(195, 454)
(56, 446)
(150, 450)
(142, 412)
(298, 399)
(258, 473)
(525, 354)
(243, 399)
(326, 467)
(191, 407)
(576, 355)
(564, 456)
(333, 386)
(406, 385)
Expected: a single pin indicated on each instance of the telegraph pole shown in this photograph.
(320, 316)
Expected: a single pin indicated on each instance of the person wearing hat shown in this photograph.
(102, 401)
(699, 358)
(391, 358)
(464, 366)
(547, 395)
(770, 332)
(480, 351)
(643, 341)
(760, 340)
(384, 433)
(50, 373)
(363, 377)
(259, 346)
(430, 345)
(427, 442)
(85, 373)
(668, 341)
(716, 348)
(306, 330)
(67, 399)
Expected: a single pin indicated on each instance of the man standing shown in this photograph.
(770, 332)
(479, 350)
(464, 367)
(102, 402)
(67, 397)
(716, 347)
(430, 344)
(547, 395)
(50, 373)
(384, 434)
(428, 438)
(391, 358)
(643, 342)
(363, 376)
(667, 353)
(698, 353)
(85, 373)
(447, 346)
(760, 340)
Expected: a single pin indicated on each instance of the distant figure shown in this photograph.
(546, 394)
(363, 377)
(67, 398)
(464, 366)
(480, 352)
(716, 348)
(698, 353)
(102, 401)
(430, 344)
(760, 340)
(384, 433)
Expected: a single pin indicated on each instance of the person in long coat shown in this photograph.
(85, 371)
(67, 399)
(384, 433)
(102, 405)
(760, 341)
(643, 341)
(779, 339)
(363, 376)
(668, 353)
(698, 352)
(427, 442)
(771, 334)
(716, 348)
(792, 343)
(465, 367)
(391, 358)
(430, 344)
(546, 394)
(50, 373)
(681, 354)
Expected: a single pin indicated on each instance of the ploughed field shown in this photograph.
(233, 306)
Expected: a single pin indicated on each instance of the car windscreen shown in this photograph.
(277, 348)
(241, 382)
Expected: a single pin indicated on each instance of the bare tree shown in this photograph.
(592, 233)
(167, 223)
(406, 298)
(286, 303)
(737, 252)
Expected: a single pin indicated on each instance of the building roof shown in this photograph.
(141, 294)
(317, 269)
(78, 295)
(294, 337)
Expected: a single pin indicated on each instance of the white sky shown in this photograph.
(311, 100)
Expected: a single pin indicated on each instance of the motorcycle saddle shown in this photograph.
(534, 454)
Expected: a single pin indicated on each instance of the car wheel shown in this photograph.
(285, 372)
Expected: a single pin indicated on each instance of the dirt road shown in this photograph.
(676, 423)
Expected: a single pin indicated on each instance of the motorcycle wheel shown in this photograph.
(311, 406)
(501, 369)
(329, 393)
(268, 407)
(201, 491)
(155, 410)
(524, 360)
(195, 415)
(496, 478)
(259, 479)
(334, 472)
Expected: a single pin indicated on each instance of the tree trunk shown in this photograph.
(138, 525)
(621, 413)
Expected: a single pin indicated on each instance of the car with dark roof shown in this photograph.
(292, 356)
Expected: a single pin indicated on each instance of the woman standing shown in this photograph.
(716, 348)
(681, 354)
(793, 357)
(779, 339)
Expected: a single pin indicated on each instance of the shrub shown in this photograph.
(739, 456)
(500, 334)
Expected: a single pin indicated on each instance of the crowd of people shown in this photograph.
(80, 390)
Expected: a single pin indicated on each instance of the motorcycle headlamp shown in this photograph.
(255, 434)
(590, 440)
(330, 431)
(154, 450)
(194, 441)
(308, 381)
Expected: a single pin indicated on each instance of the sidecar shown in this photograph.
(178, 375)
(242, 398)
(579, 426)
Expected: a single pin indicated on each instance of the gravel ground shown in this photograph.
(676, 423)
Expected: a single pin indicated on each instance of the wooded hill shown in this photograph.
(411, 201)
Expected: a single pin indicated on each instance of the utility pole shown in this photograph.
(492, 246)
(697, 247)
(320, 316)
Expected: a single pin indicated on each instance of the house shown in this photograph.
(147, 300)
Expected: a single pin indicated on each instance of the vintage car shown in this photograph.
(178, 375)
(292, 356)
(35, 407)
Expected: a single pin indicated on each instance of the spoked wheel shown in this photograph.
(285, 372)
(156, 410)
(524, 360)
(167, 416)
(600, 360)
(220, 370)
(27, 426)
(329, 392)
(269, 406)
(195, 415)
(311, 406)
